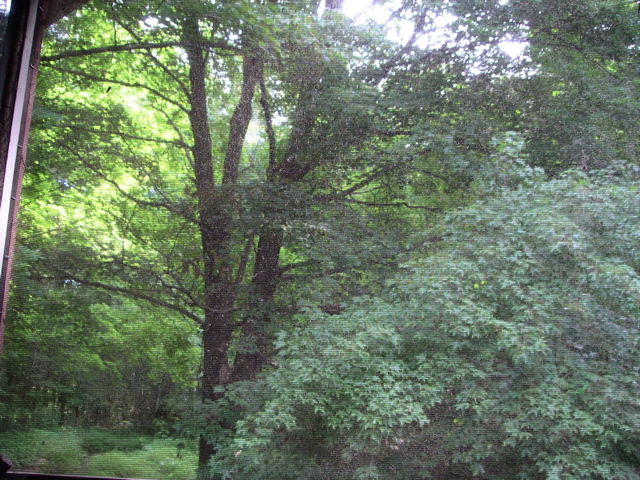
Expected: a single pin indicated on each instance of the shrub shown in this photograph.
(509, 350)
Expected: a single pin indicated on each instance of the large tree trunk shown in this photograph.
(215, 208)
(214, 235)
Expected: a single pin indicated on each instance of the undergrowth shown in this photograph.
(100, 452)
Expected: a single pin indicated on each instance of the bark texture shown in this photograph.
(215, 207)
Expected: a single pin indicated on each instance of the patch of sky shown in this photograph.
(440, 29)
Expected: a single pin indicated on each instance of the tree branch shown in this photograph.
(366, 181)
(394, 204)
(134, 294)
(563, 43)
(291, 266)
(244, 259)
(417, 31)
(264, 101)
(146, 203)
(176, 143)
(252, 67)
(185, 146)
(133, 46)
(177, 288)
(157, 62)
(123, 83)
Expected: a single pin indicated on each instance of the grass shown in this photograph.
(98, 440)
(159, 460)
(43, 450)
(101, 453)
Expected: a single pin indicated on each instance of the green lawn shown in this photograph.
(101, 453)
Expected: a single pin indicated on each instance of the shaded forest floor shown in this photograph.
(100, 452)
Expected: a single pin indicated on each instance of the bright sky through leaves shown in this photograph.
(363, 10)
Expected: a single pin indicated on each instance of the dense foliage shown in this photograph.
(326, 253)
(507, 348)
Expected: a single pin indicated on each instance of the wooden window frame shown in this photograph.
(28, 19)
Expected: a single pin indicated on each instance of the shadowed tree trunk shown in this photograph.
(293, 167)
(214, 209)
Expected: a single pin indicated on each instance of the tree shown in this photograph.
(175, 176)
(574, 96)
(254, 160)
(79, 356)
